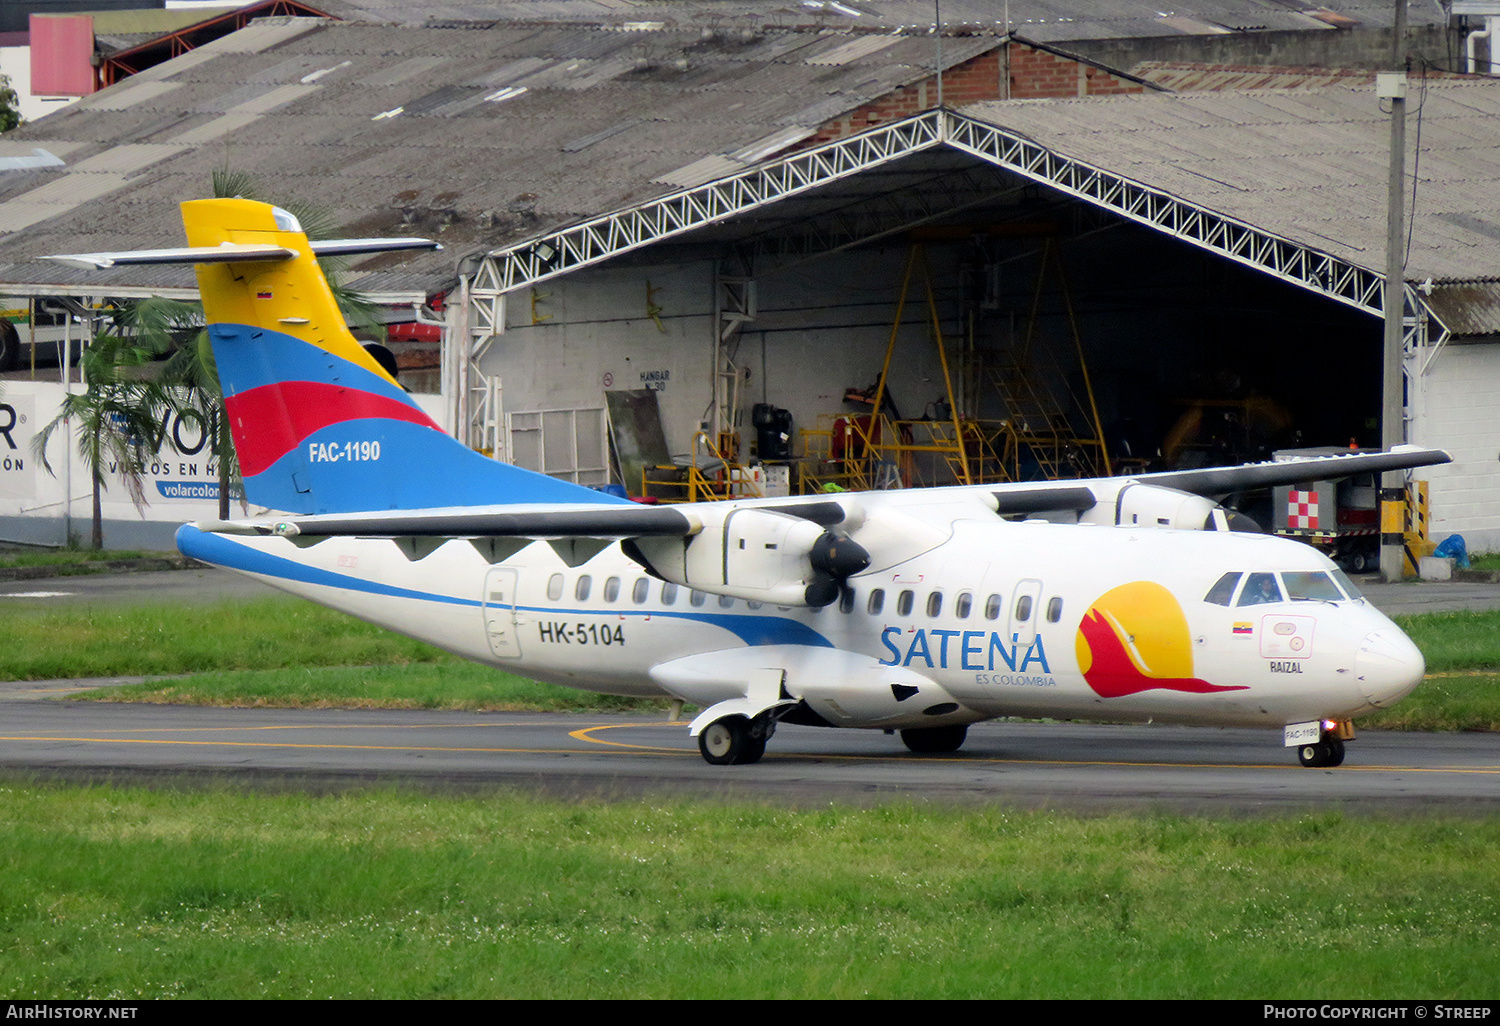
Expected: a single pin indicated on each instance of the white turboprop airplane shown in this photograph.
(920, 610)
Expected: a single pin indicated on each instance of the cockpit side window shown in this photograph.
(1222, 593)
(1260, 588)
(1350, 588)
(1311, 586)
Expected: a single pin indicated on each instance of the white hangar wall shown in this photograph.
(820, 328)
(1457, 413)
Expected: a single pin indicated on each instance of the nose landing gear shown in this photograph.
(1327, 753)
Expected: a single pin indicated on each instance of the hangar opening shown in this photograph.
(1075, 340)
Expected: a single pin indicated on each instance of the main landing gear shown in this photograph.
(1327, 753)
(736, 740)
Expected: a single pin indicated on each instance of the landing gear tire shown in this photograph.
(932, 740)
(732, 741)
(1324, 755)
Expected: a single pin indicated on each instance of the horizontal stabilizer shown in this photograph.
(352, 247)
(231, 252)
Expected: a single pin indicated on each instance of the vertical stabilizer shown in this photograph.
(318, 425)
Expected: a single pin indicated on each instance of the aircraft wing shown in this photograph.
(551, 521)
(643, 521)
(1216, 481)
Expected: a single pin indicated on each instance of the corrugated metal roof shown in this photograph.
(1045, 20)
(133, 91)
(607, 116)
(862, 46)
(1468, 310)
(262, 34)
(1308, 164)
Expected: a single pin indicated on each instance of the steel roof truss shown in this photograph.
(610, 235)
(1218, 233)
(602, 238)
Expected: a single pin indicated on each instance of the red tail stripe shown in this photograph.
(285, 412)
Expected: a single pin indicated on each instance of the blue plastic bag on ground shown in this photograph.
(1454, 546)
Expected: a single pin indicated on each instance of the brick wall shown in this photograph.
(1034, 74)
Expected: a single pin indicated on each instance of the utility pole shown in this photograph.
(1392, 86)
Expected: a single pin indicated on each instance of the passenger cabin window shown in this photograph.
(753, 604)
(1311, 586)
(1222, 593)
(877, 601)
(1260, 588)
(668, 593)
(846, 600)
(904, 603)
(992, 607)
(935, 604)
(963, 605)
(581, 590)
(639, 593)
(697, 598)
(611, 589)
(726, 601)
(555, 587)
(1023, 608)
(1054, 609)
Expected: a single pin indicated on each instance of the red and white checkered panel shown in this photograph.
(1302, 509)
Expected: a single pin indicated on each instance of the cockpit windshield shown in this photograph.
(1293, 585)
(1311, 586)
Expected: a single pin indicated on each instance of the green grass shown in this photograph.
(1484, 560)
(1445, 701)
(135, 894)
(107, 641)
(443, 685)
(66, 559)
(1456, 641)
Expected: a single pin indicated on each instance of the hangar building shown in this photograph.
(723, 214)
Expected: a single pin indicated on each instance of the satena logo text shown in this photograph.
(969, 650)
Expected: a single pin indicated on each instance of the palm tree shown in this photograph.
(120, 417)
(191, 377)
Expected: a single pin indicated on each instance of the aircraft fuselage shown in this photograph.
(998, 619)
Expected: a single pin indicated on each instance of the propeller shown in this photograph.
(834, 560)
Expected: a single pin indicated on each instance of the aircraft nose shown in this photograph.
(1388, 666)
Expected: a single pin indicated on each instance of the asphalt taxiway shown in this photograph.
(1026, 764)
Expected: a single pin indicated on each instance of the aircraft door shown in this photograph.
(501, 622)
(1024, 612)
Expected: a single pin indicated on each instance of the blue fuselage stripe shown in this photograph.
(222, 551)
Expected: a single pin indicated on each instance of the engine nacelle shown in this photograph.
(754, 554)
(1143, 505)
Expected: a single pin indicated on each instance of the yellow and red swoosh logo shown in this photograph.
(1135, 638)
